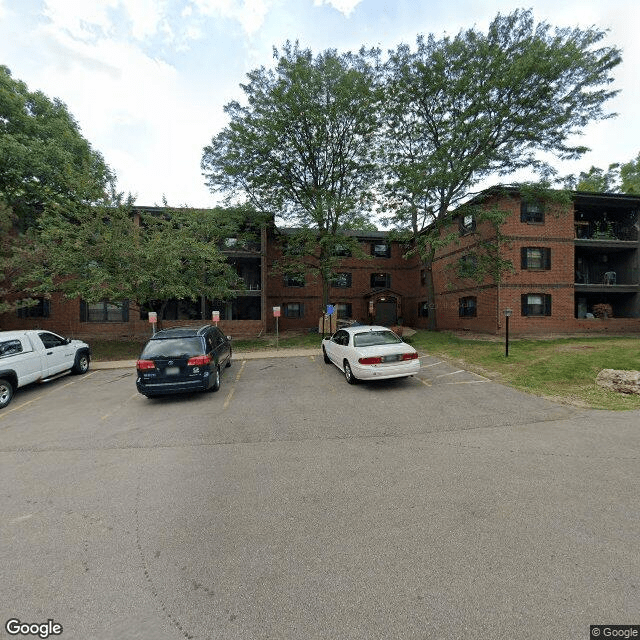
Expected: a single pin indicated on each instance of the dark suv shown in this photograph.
(183, 359)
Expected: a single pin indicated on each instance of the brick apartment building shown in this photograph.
(576, 269)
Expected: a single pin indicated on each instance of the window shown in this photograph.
(467, 307)
(294, 310)
(423, 310)
(536, 304)
(294, 281)
(39, 310)
(341, 280)
(342, 250)
(531, 212)
(467, 265)
(466, 224)
(343, 310)
(51, 340)
(380, 280)
(10, 347)
(535, 258)
(381, 250)
(104, 311)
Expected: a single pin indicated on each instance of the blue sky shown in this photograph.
(147, 79)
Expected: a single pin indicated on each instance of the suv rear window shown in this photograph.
(173, 348)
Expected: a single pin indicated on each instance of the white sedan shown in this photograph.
(370, 353)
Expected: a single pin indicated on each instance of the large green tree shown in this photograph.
(113, 252)
(44, 158)
(462, 109)
(302, 147)
(45, 164)
(617, 178)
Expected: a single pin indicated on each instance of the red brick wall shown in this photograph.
(405, 280)
(557, 234)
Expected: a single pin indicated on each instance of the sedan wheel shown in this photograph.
(325, 356)
(348, 374)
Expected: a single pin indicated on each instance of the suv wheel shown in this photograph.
(216, 379)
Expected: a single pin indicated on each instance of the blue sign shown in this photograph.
(330, 309)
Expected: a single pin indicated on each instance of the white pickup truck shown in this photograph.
(35, 356)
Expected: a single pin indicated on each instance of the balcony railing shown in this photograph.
(590, 230)
(594, 275)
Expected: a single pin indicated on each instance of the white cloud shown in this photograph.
(345, 7)
(249, 13)
(86, 20)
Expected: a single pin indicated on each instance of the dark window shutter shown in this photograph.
(547, 305)
(83, 311)
(525, 306)
(523, 257)
(547, 258)
(125, 311)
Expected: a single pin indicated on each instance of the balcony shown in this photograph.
(602, 231)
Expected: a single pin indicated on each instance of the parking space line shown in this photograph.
(228, 398)
(424, 366)
(425, 382)
(6, 412)
(451, 373)
(108, 415)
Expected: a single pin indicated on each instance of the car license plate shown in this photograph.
(172, 371)
(393, 358)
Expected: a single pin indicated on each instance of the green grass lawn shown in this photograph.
(563, 370)
(103, 350)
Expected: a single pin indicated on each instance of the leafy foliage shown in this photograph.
(102, 252)
(303, 147)
(618, 178)
(44, 159)
(462, 109)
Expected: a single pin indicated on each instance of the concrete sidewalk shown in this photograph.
(239, 355)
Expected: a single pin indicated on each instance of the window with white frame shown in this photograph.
(536, 304)
(533, 258)
(531, 212)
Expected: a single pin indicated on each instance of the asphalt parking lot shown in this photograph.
(292, 505)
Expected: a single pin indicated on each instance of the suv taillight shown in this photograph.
(199, 361)
(142, 365)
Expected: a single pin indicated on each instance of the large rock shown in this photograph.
(621, 381)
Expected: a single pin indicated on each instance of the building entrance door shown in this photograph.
(386, 312)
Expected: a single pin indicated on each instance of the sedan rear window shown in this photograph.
(173, 348)
(373, 338)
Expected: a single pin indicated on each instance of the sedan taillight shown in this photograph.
(199, 361)
(373, 360)
(142, 365)
(409, 356)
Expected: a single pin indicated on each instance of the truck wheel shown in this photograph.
(81, 364)
(6, 393)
